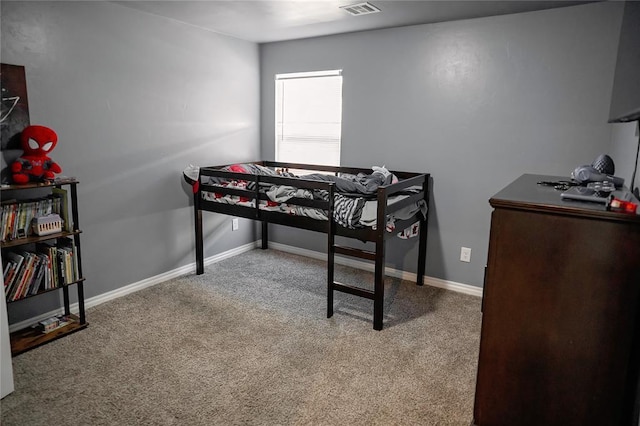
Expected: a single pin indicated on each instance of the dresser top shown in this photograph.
(526, 194)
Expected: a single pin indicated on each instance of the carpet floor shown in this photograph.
(248, 343)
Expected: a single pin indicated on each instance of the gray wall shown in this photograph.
(476, 103)
(134, 99)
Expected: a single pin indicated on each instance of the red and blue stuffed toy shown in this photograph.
(35, 165)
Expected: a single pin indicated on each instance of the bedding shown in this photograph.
(361, 184)
(348, 212)
(353, 207)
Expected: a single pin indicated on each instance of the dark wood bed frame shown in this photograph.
(330, 227)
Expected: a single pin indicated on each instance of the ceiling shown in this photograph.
(263, 21)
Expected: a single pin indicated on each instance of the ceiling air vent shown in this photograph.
(360, 9)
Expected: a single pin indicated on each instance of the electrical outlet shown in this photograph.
(465, 254)
(234, 224)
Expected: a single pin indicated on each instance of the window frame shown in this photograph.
(279, 111)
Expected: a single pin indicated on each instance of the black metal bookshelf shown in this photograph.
(32, 336)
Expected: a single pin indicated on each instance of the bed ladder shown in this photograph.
(377, 294)
(378, 256)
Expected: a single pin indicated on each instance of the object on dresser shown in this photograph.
(624, 204)
(35, 165)
(600, 170)
(597, 192)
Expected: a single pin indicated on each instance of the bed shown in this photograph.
(338, 201)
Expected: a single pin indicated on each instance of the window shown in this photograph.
(309, 117)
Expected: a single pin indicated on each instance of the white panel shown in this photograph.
(309, 118)
(6, 367)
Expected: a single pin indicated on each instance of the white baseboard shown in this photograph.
(191, 267)
(148, 282)
(137, 286)
(367, 266)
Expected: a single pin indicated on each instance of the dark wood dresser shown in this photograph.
(560, 340)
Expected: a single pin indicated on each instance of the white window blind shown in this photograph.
(309, 117)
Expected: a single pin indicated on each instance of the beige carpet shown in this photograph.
(248, 343)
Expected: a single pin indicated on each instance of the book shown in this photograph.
(63, 207)
(34, 272)
(21, 220)
(61, 262)
(5, 269)
(48, 325)
(69, 250)
(17, 216)
(4, 221)
(55, 270)
(9, 271)
(25, 280)
(38, 275)
(10, 226)
(19, 279)
(10, 286)
(45, 250)
(53, 323)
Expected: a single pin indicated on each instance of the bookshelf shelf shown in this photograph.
(32, 337)
(36, 239)
(46, 291)
(59, 259)
(34, 185)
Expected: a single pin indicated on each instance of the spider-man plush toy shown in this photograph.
(34, 165)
